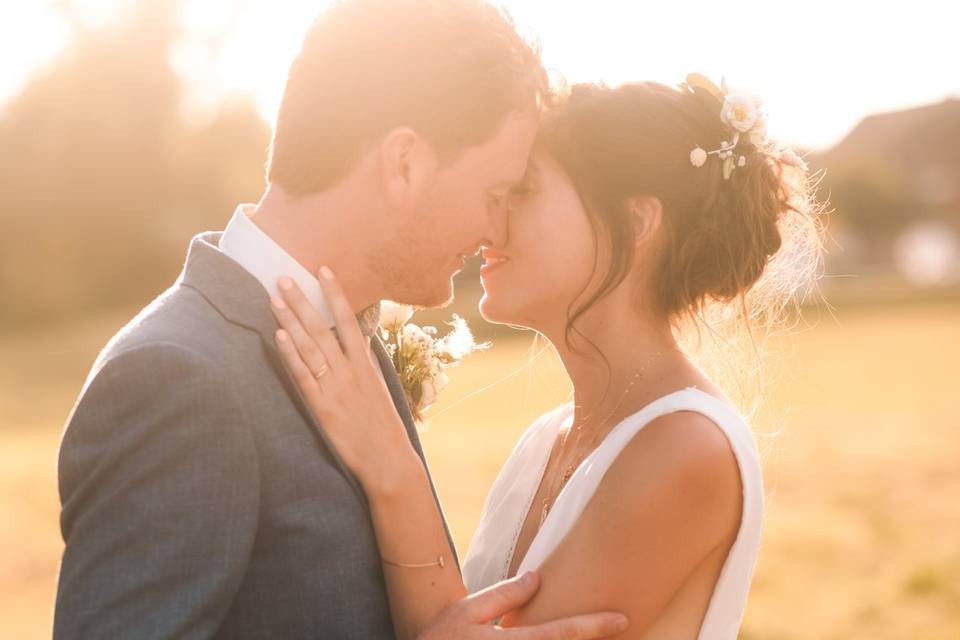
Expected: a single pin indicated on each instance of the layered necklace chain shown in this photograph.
(560, 479)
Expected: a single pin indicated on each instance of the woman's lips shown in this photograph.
(491, 260)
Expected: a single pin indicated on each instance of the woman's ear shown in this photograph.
(647, 213)
(405, 162)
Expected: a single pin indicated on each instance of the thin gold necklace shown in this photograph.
(561, 480)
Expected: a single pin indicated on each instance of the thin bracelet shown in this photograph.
(439, 562)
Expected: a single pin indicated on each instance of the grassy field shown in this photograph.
(863, 478)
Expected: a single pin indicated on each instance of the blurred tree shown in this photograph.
(875, 206)
(103, 183)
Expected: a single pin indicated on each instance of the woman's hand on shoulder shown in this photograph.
(341, 383)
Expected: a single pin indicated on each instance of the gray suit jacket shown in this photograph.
(200, 498)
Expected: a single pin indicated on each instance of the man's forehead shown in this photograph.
(512, 145)
(501, 160)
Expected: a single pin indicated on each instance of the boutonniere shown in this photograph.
(420, 357)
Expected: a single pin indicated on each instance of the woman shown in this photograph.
(644, 209)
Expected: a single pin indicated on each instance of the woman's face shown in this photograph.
(549, 255)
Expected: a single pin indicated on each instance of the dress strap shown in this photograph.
(581, 487)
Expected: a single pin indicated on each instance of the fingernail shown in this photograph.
(277, 302)
(285, 283)
(621, 624)
(526, 578)
(326, 273)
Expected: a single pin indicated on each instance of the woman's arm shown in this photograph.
(670, 501)
(410, 532)
(342, 385)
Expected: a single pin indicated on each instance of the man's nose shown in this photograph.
(498, 227)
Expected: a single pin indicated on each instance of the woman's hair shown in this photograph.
(736, 248)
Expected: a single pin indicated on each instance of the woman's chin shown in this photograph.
(492, 309)
(502, 310)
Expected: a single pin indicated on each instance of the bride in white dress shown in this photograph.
(643, 207)
(493, 552)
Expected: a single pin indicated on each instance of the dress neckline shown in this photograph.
(555, 424)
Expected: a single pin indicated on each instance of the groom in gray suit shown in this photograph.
(200, 498)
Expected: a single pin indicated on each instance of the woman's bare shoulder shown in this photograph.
(682, 461)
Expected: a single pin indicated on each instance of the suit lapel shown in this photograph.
(293, 390)
(397, 394)
(242, 300)
(400, 401)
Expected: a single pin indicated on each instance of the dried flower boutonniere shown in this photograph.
(420, 357)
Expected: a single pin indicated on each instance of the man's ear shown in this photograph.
(647, 213)
(406, 160)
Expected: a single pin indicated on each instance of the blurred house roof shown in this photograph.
(921, 146)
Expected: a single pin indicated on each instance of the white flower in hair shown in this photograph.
(698, 157)
(740, 112)
(743, 116)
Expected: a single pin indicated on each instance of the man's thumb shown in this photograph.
(501, 598)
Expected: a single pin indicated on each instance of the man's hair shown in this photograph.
(451, 70)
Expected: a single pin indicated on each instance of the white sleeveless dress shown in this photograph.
(492, 548)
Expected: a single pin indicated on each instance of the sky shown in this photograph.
(820, 66)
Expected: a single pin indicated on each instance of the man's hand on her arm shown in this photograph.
(470, 619)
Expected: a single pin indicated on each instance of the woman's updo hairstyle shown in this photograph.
(754, 231)
(741, 237)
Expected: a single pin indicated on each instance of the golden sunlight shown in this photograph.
(129, 126)
(788, 54)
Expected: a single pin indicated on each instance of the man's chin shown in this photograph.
(436, 298)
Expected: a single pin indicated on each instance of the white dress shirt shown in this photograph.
(264, 259)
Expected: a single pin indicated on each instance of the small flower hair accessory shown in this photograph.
(743, 116)
(420, 357)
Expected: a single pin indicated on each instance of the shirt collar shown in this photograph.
(264, 259)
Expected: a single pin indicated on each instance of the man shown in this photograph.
(200, 499)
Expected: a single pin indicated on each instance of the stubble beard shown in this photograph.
(411, 270)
